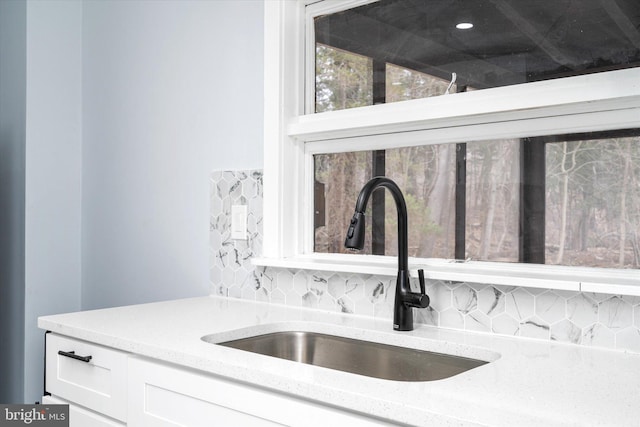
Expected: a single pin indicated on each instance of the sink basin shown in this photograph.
(356, 356)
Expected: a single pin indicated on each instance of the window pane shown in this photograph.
(585, 205)
(426, 176)
(510, 42)
(403, 84)
(492, 200)
(343, 175)
(593, 202)
(343, 79)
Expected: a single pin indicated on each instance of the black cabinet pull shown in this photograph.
(73, 355)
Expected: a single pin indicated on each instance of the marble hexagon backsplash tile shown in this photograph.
(600, 320)
(230, 269)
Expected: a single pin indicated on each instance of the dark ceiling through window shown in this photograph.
(511, 41)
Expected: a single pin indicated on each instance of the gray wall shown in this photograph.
(171, 91)
(13, 24)
(119, 111)
(53, 171)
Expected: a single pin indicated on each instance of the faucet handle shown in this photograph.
(421, 280)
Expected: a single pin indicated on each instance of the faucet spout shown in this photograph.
(405, 299)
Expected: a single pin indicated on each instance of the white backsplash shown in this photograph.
(602, 320)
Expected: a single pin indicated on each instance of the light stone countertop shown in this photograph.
(527, 383)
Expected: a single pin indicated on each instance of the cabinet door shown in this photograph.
(80, 417)
(168, 395)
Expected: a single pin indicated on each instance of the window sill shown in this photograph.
(579, 279)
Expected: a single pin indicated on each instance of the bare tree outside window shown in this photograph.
(593, 202)
(493, 185)
(343, 79)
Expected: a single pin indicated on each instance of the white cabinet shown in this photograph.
(107, 387)
(166, 395)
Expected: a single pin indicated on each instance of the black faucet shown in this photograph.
(405, 298)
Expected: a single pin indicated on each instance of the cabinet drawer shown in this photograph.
(80, 417)
(87, 374)
(163, 395)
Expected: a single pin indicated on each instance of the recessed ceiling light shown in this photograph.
(464, 25)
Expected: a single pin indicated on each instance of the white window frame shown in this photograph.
(594, 102)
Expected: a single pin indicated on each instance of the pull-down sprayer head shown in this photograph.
(355, 233)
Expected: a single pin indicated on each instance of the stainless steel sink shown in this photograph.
(355, 356)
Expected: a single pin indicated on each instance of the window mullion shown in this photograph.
(378, 205)
(532, 201)
(378, 163)
(461, 201)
